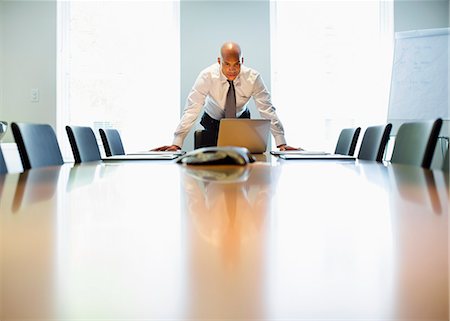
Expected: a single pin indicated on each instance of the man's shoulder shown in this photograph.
(212, 70)
(249, 74)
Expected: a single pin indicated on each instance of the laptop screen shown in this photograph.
(250, 133)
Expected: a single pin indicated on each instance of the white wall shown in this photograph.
(28, 60)
(205, 25)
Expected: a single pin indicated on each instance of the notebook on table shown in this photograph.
(145, 156)
(317, 156)
(298, 152)
(151, 152)
(252, 134)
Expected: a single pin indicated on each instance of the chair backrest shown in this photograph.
(347, 140)
(112, 143)
(37, 145)
(374, 142)
(415, 143)
(203, 138)
(3, 168)
(83, 143)
(445, 164)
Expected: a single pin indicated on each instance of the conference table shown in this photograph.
(273, 240)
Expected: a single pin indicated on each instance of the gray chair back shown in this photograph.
(347, 140)
(37, 145)
(445, 164)
(112, 143)
(83, 143)
(203, 139)
(415, 143)
(3, 168)
(374, 142)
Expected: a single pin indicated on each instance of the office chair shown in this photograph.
(201, 139)
(3, 168)
(37, 145)
(83, 143)
(445, 164)
(112, 143)
(374, 142)
(347, 140)
(415, 143)
(3, 127)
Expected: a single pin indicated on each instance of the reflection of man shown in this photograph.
(225, 89)
(236, 204)
(226, 231)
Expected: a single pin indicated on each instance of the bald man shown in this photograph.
(210, 90)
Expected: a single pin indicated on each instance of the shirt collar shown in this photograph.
(224, 79)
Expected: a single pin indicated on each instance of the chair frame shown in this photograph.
(430, 145)
(74, 144)
(106, 143)
(382, 144)
(24, 154)
(3, 167)
(354, 141)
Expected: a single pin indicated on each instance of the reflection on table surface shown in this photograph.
(269, 241)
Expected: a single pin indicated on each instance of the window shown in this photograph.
(119, 68)
(331, 63)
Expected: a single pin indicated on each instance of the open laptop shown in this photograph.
(250, 133)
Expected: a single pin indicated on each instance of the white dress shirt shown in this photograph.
(210, 90)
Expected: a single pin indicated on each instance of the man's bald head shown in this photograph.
(230, 59)
(230, 50)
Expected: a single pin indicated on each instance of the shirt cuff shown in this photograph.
(177, 140)
(280, 140)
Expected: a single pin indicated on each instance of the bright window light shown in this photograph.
(331, 63)
(119, 68)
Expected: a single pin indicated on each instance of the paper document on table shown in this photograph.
(141, 157)
(152, 152)
(298, 152)
(317, 157)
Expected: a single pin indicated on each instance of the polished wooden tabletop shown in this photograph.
(278, 240)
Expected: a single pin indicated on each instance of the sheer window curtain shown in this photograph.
(118, 67)
(331, 65)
